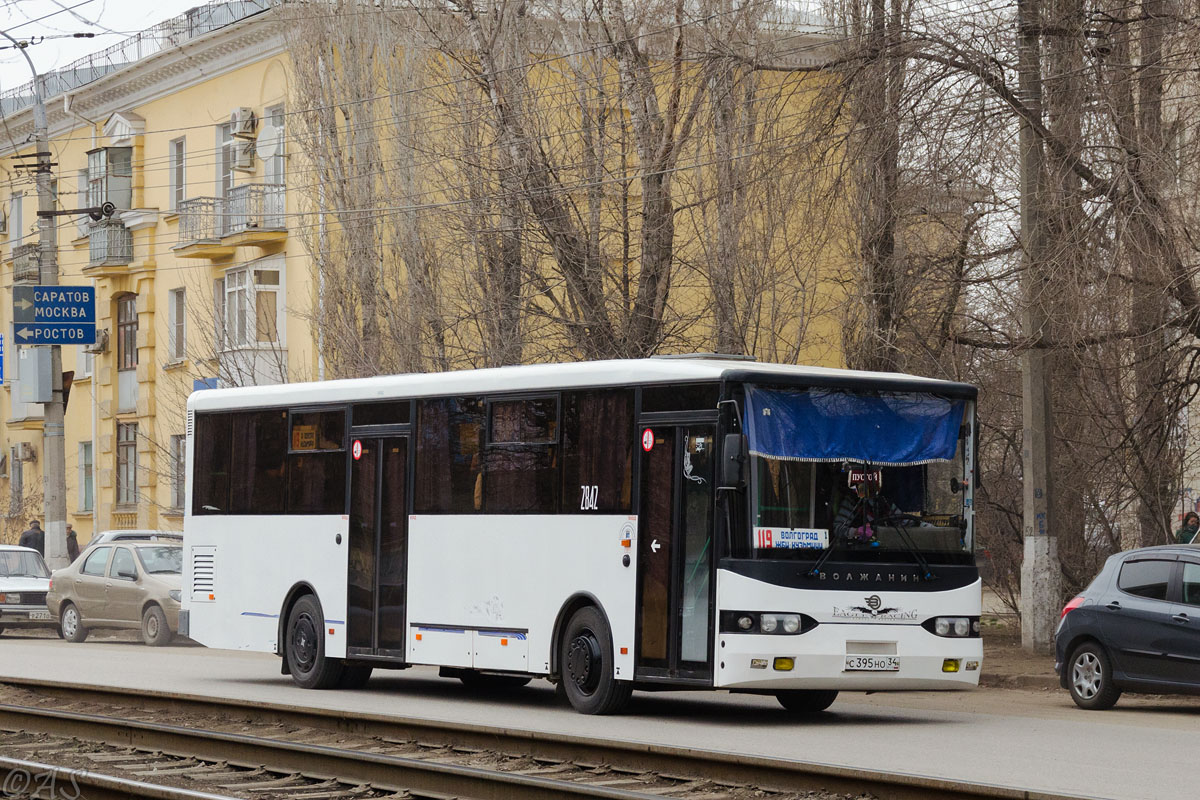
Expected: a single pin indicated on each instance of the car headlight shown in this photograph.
(768, 622)
(176, 594)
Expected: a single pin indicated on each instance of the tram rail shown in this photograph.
(438, 758)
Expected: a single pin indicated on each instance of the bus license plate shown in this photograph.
(872, 664)
(40, 615)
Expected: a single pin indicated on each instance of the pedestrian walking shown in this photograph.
(1191, 526)
(34, 537)
(72, 543)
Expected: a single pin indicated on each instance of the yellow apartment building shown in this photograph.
(192, 274)
(202, 276)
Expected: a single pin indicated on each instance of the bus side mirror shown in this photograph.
(733, 461)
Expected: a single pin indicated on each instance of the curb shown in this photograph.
(1045, 682)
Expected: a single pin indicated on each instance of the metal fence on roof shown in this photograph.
(168, 34)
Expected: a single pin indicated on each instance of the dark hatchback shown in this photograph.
(1136, 628)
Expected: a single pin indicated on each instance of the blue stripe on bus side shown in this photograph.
(257, 614)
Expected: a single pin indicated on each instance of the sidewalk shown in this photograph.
(1009, 666)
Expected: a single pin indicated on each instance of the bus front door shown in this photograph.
(675, 533)
(378, 546)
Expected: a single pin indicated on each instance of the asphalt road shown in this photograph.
(1145, 748)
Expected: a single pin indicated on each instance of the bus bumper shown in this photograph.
(823, 658)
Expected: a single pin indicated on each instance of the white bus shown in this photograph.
(687, 522)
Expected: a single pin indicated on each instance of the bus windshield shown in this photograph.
(874, 476)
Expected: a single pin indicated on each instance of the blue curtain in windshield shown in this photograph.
(886, 428)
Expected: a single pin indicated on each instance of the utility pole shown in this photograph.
(1041, 575)
(54, 451)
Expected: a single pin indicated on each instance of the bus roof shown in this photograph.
(547, 377)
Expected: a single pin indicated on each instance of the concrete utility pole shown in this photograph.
(54, 450)
(1041, 575)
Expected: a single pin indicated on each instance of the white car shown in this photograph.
(24, 581)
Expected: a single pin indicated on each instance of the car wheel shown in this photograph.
(71, 624)
(806, 701)
(586, 664)
(354, 677)
(305, 643)
(155, 630)
(1090, 679)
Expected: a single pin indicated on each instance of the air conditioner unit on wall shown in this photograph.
(25, 452)
(243, 157)
(100, 345)
(244, 122)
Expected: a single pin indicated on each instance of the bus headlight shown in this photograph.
(953, 627)
(765, 622)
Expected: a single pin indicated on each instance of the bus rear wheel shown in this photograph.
(587, 668)
(806, 701)
(305, 642)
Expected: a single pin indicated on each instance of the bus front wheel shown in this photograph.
(306, 647)
(586, 665)
(806, 701)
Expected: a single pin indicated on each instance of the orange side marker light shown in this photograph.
(624, 651)
(504, 642)
(418, 637)
(331, 631)
(626, 543)
(212, 597)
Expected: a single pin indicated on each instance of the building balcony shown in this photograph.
(254, 214)
(109, 243)
(27, 266)
(201, 223)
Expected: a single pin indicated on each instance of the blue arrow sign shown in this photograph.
(54, 333)
(70, 305)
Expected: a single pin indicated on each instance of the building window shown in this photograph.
(226, 156)
(83, 364)
(126, 463)
(16, 481)
(16, 226)
(248, 307)
(127, 326)
(110, 176)
(81, 201)
(85, 476)
(178, 177)
(273, 167)
(177, 320)
(178, 468)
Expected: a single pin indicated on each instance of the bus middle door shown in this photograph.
(675, 546)
(378, 546)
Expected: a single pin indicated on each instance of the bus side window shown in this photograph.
(597, 451)
(449, 436)
(213, 442)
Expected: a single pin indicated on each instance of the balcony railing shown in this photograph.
(109, 242)
(253, 206)
(200, 220)
(26, 264)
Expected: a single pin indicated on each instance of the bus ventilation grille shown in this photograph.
(204, 566)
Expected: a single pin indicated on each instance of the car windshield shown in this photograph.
(21, 564)
(161, 560)
(875, 476)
